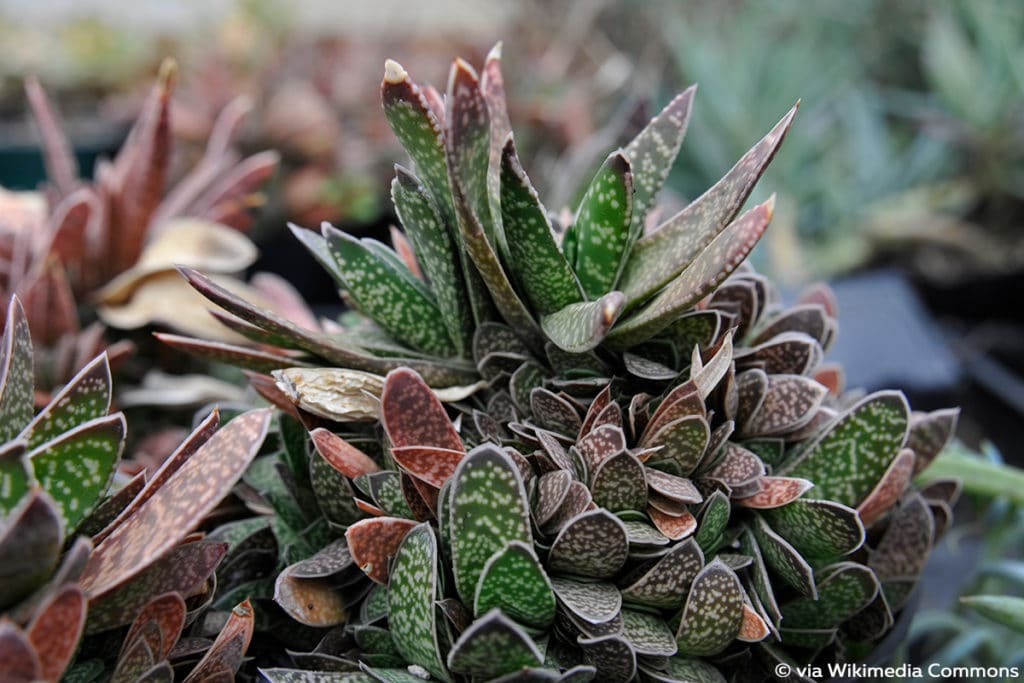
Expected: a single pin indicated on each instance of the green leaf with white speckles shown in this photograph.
(595, 602)
(468, 143)
(847, 459)
(653, 151)
(612, 656)
(712, 520)
(280, 675)
(603, 222)
(15, 476)
(619, 483)
(664, 585)
(85, 397)
(16, 378)
(593, 544)
(403, 309)
(581, 327)
(386, 490)
(332, 491)
(698, 279)
(846, 589)
(683, 670)
(535, 259)
(514, 581)
(493, 645)
(648, 634)
(436, 252)
(76, 467)
(713, 613)
(820, 530)
(412, 589)
(759, 577)
(660, 256)
(783, 559)
(488, 509)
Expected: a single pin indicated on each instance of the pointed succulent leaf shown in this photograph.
(373, 542)
(468, 144)
(413, 587)
(554, 412)
(847, 589)
(699, 278)
(413, 415)
(754, 628)
(341, 455)
(783, 559)
(775, 492)
(15, 476)
(618, 483)
(759, 580)
(653, 151)
(56, 629)
(713, 613)
(384, 293)
(493, 645)
(849, 458)
(601, 444)
(889, 488)
(226, 653)
(738, 468)
(85, 397)
(593, 544)
(179, 505)
(167, 612)
(603, 226)
(514, 581)
(665, 584)
(256, 360)
(30, 543)
(929, 434)
(535, 259)
(659, 257)
(578, 328)
(436, 252)
(16, 378)
(1004, 609)
(788, 403)
(488, 510)
(77, 466)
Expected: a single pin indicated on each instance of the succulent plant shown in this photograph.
(650, 472)
(80, 558)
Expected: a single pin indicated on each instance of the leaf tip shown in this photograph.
(394, 73)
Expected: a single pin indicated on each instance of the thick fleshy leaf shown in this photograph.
(712, 520)
(682, 401)
(581, 327)
(762, 585)
(603, 226)
(179, 505)
(674, 526)
(713, 613)
(903, 550)
(653, 151)
(16, 378)
(683, 670)
(889, 488)
(665, 583)
(514, 581)
(612, 656)
(183, 570)
(618, 483)
(594, 602)
(488, 510)
(792, 353)
(412, 591)
(341, 455)
(413, 415)
(601, 444)
(659, 257)
(738, 468)
(754, 628)
(535, 259)
(783, 559)
(788, 403)
(85, 397)
(591, 544)
(710, 268)
(77, 466)
(682, 443)
(19, 662)
(929, 434)
(280, 675)
(846, 589)
(55, 630)
(775, 492)
(310, 601)
(373, 542)
(428, 464)
(648, 634)
(554, 412)
(15, 475)
(30, 543)
(225, 655)
(436, 252)
(705, 376)
(491, 646)
(405, 310)
(386, 490)
(849, 458)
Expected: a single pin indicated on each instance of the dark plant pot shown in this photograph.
(21, 160)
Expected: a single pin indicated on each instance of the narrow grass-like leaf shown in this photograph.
(488, 510)
(846, 589)
(697, 279)
(77, 466)
(257, 360)
(592, 544)
(535, 259)
(493, 645)
(581, 327)
(373, 542)
(514, 581)
(603, 226)
(179, 505)
(1004, 609)
(713, 613)
(659, 257)
(16, 374)
(849, 458)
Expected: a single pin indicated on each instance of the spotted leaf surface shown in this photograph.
(226, 653)
(600, 444)
(619, 483)
(681, 445)
(413, 415)
(699, 278)
(594, 602)
(310, 601)
(849, 458)
(468, 143)
(603, 226)
(759, 580)
(341, 455)
(889, 489)
(437, 255)
(775, 492)
(783, 559)
(681, 668)
(788, 403)
(85, 397)
(179, 505)
(77, 466)
(738, 468)
(535, 259)
(493, 645)
(904, 548)
(514, 581)
(15, 475)
(929, 434)
(167, 612)
(659, 257)
(16, 378)
(845, 590)
(713, 613)
(578, 328)
(675, 526)
(712, 520)
(56, 629)
(373, 542)
(648, 634)
(488, 510)
(592, 544)
(653, 151)
(612, 656)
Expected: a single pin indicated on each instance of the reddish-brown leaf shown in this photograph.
(889, 488)
(832, 376)
(753, 629)
(266, 386)
(373, 542)
(775, 492)
(413, 415)
(18, 661)
(58, 157)
(341, 455)
(225, 655)
(55, 631)
(167, 611)
(259, 360)
(429, 464)
(676, 527)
